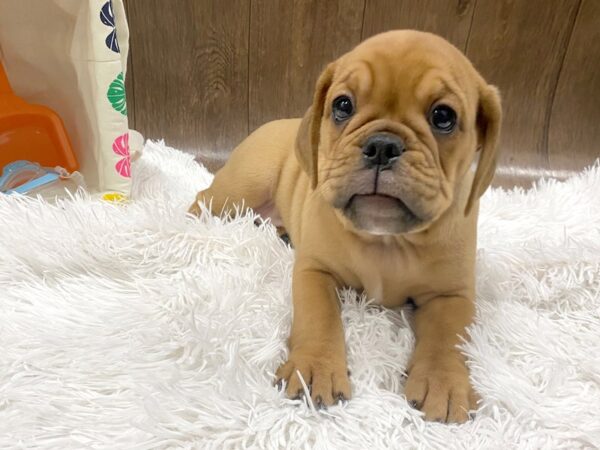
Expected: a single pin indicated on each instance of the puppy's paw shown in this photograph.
(326, 377)
(441, 389)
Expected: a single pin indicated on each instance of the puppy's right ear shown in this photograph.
(489, 120)
(309, 133)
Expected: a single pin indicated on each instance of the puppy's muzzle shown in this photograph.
(382, 150)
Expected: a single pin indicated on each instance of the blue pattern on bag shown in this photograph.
(107, 17)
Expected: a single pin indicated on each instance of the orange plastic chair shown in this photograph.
(31, 132)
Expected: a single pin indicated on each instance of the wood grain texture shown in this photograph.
(291, 41)
(574, 132)
(190, 64)
(519, 45)
(203, 73)
(129, 85)
(450, 19)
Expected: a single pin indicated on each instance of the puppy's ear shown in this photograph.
(307, 140)
(489, 119)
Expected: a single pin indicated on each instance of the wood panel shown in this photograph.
(129, 86)
(190, 71)
(450, 19)
(291, 41)
(519, 45)
(574, 133)
(205, 72)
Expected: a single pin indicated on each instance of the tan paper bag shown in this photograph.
(71, 55)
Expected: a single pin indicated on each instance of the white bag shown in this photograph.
(71, 55)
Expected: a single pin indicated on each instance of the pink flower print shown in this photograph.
(121, 147)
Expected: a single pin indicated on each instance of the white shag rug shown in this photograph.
(138, 327)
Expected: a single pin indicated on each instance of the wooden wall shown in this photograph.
(205, 73)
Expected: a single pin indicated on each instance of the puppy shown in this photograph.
(374, 188)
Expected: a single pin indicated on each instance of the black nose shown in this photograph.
(382, 150)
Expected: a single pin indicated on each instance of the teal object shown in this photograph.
(21, 177)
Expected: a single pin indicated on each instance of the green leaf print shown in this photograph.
(116, 94)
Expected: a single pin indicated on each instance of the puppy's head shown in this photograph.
(393, 129)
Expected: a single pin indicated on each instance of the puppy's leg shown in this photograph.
(252, 172)
(317, 347)
(239, 182)
(438, 380)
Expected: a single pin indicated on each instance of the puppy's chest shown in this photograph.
(385, 292)
(390, 280)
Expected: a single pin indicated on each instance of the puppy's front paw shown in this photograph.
(441, 389)
(326, 377)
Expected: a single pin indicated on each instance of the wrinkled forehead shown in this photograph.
(405, 74)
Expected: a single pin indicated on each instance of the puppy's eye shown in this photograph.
(442, 118)
(342, 108)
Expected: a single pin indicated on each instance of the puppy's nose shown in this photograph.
(382, 150)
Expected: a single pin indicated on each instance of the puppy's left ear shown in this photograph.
(489, 120)
(309, 133)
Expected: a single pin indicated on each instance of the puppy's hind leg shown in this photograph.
(232, 189)
(247, 180)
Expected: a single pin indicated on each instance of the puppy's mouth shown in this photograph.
(380, 214)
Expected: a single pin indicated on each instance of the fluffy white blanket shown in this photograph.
(136, 327)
